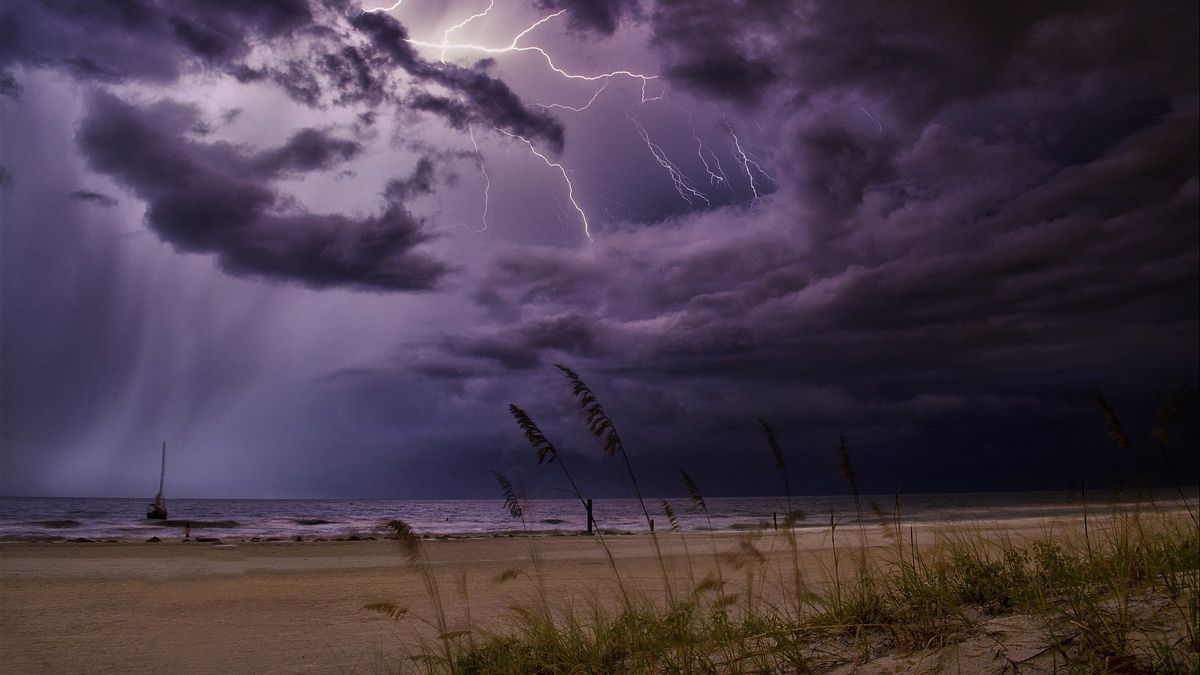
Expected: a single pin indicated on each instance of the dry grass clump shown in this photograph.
(1120, 598)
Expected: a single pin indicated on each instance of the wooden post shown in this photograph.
(590, 520)
(775, 519)
(651, 526)
(912, 545)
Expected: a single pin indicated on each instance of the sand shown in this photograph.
(284, 607)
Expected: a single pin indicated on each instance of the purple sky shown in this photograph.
(319, 254)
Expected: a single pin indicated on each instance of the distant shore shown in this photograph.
(287, 606)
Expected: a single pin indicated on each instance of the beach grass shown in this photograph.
(1119, 595)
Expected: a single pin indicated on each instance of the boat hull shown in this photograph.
(156, 513)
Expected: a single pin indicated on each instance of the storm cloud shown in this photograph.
(116, 40)
(601, 16)
(929, 227)
(481, 97)
(217, 198)
(319, 53)
(977, 207)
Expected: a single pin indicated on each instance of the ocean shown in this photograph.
(66, 519)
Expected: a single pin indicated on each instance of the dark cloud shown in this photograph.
(9, 86)
(481, 96)
(531, 343)
(307, 150)
(732, 76)
(312, 86)
(217, 198)
(389, 38)
(979, 214)
(922, 57)
(1014, 276)
(419, 182)
(599, 16)
(353, 75)
(313, 53)
(92, 198)
(136, 39)
(975, 212)
(455, 112)
(1019, 81)
(492, 101)
(733, 51)
(213, 197)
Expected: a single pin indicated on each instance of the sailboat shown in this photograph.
(158, 510)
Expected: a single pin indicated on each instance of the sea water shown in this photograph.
(56, 519)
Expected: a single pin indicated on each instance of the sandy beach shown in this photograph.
(287, 607)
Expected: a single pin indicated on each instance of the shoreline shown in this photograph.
(63, 520)
(213, 535)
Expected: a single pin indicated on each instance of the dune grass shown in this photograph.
(1120, 596)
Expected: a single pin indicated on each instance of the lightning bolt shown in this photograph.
(383, 9)
(754, 162)
(514, 47)
(714, 178)
(560, 106)
(460, 24)
(487, 181)
(746, 162)
(566, 178)
(878, 124)
(682, 185)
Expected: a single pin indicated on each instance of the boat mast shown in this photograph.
(163, 475)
